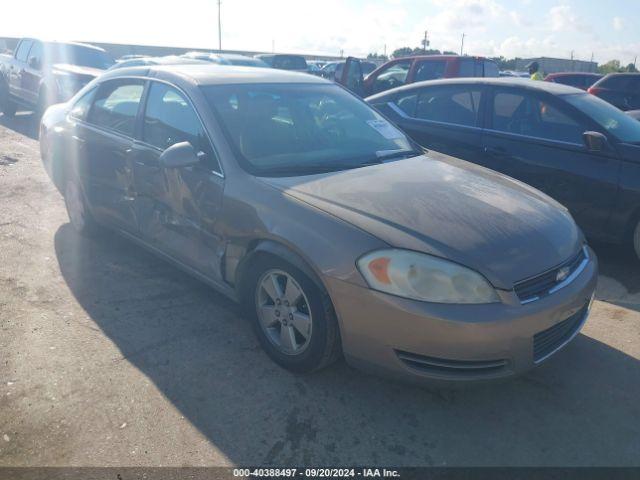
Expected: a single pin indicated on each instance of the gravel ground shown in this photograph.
(110, 357)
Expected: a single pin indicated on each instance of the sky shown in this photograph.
(526, 28)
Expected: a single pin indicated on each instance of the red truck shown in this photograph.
(41, 73)
(405, 70)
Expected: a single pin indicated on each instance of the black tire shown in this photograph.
(324, 346)
(77, 209)
(7, 107)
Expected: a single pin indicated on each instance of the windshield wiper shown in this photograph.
(392, 155)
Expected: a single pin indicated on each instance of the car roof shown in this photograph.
(212, 74)
(439, 57)
(58, 42)
(525, 83)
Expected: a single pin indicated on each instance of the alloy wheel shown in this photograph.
(283, 311)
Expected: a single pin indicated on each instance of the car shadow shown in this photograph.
(24, 123)
(578, 409)
(619, 282)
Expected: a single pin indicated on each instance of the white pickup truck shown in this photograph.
(41, 73)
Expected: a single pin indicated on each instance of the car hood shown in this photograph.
(86, 73)
(450, 208)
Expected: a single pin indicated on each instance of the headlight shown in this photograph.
(423, 277)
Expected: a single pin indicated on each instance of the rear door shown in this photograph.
(537, 138)
(106, 140)
(443, 118)
(177, 208)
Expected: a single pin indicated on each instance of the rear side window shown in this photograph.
(116, 105)
(524, 114)
(169, 119)
(458, 105)
(470, 67)
(23, 50)
(430, 70)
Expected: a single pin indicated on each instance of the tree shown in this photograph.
(612, 66)
(377, 57)
(408, 52)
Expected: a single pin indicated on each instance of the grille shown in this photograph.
(551, 339)
(542, 285)
(441, 366)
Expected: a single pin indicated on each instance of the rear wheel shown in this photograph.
(79, 215)
(292, 316)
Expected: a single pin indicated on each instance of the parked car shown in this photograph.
(619, 89)
(295, 63)
(513, 73)
(579, 80)
(294, 197)
(571, 145)
(634, 114)
(168, 60)
(41, 73)
(406, 70)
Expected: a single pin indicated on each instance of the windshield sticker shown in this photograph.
(385, 129)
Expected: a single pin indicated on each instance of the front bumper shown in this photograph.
(425, 341)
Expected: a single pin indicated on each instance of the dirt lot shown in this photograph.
(111, 357)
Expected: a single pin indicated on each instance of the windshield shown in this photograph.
(614, 121)
(78, 55)
(280, 129)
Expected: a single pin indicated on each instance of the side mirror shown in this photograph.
(595, 141)
(34, 62)
(179, 155)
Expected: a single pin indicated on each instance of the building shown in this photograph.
(556, 65)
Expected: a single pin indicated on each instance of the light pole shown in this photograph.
(219, 28)
(462, 44)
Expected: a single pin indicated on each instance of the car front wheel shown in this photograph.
(293, 317)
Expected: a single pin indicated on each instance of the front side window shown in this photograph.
(81, 107)
(302, 129)
(169, 119)
(611, 119)
(525, 114)
(36, 53)
(116, 105)
(458, 105)
(430, 70)
(391, 77)
(23, 50)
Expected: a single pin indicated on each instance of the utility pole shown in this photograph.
(341, 53)
(385, 50)
(273, 45)
(219, 28)
(425, 42)
(462, 44)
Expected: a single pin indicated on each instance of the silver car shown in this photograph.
(336, 234)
